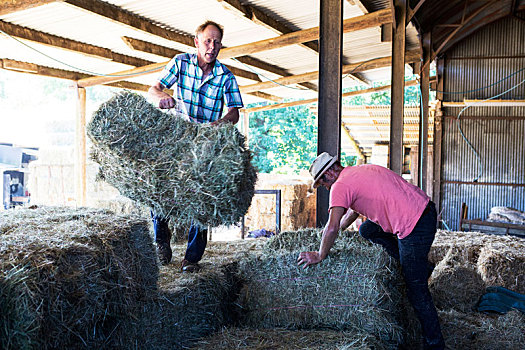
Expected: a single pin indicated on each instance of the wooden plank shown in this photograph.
(357, 23)
(396, 153)
(10, 6)
(330, 88)
(70, 45)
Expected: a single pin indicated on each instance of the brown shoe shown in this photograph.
(186, 266)
(164, 252)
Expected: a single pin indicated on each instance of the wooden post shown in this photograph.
(329, 118)
(438, 135)
(80, 164)
(423, 121)
(398, 87)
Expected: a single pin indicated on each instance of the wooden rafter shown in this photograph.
(127, 18)
(411, 56)
(373, 19)
(313, 100)
(10, 6)
(36, 69)
(357, 23)
(412, 12)
(259, 17)
(70, 45)
(353, 142)
(124, 17)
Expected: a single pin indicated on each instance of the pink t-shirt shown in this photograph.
(381, 195)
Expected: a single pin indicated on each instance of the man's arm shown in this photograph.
(329, 235)
(231, 117)
(347, 219)
(159, 97)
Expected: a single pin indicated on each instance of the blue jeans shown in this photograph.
(412, 253)
(197, 238)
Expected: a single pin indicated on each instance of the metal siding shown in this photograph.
(500, 143)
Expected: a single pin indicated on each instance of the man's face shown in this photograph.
(327, 180)
(208, 44)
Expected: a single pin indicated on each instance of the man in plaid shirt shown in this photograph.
(202, 85)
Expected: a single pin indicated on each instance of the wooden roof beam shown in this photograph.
(70, 45)
(118, 15)
(313, 100)
(261, 18)
(10, 6)
(32, 68)
(411, 56)
(352, 24)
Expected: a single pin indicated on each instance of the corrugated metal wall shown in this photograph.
(496, 133)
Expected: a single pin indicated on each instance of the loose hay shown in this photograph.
(69, 276)
(284, 339)
(197, 173)
(358, 287)
(477, 331)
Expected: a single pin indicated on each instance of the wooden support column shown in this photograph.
(80, 148)
(396, 153)
(423, 122)
(438, 135)
(329, 118)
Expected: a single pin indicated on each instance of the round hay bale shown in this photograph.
(69, 277)
(197, 173)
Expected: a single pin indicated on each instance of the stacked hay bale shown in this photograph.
(68, 277)
(298, 203)
(357, 287)
(197, 173)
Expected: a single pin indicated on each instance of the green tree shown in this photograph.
(283, 140)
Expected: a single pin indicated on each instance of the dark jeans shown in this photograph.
(412, 253)
(197, 238)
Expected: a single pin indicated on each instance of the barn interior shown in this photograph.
(78, 268)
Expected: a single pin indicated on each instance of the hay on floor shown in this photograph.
(68, 277)
(196, 173)
(285, 339)
(358, 287)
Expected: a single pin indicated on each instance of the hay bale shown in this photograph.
(358, 288)
(284, 339)
(69, 276)
(478, 331)
(196, 173)
(504, 265)
(455, 284)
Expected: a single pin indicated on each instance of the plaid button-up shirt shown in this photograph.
(201, 101)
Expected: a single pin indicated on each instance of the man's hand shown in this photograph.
(167, 103)
(308, 258)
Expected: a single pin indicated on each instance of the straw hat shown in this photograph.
(321, 164)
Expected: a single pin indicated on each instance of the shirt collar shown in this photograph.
(218, 68)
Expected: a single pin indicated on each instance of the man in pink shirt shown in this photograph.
(400, 217)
